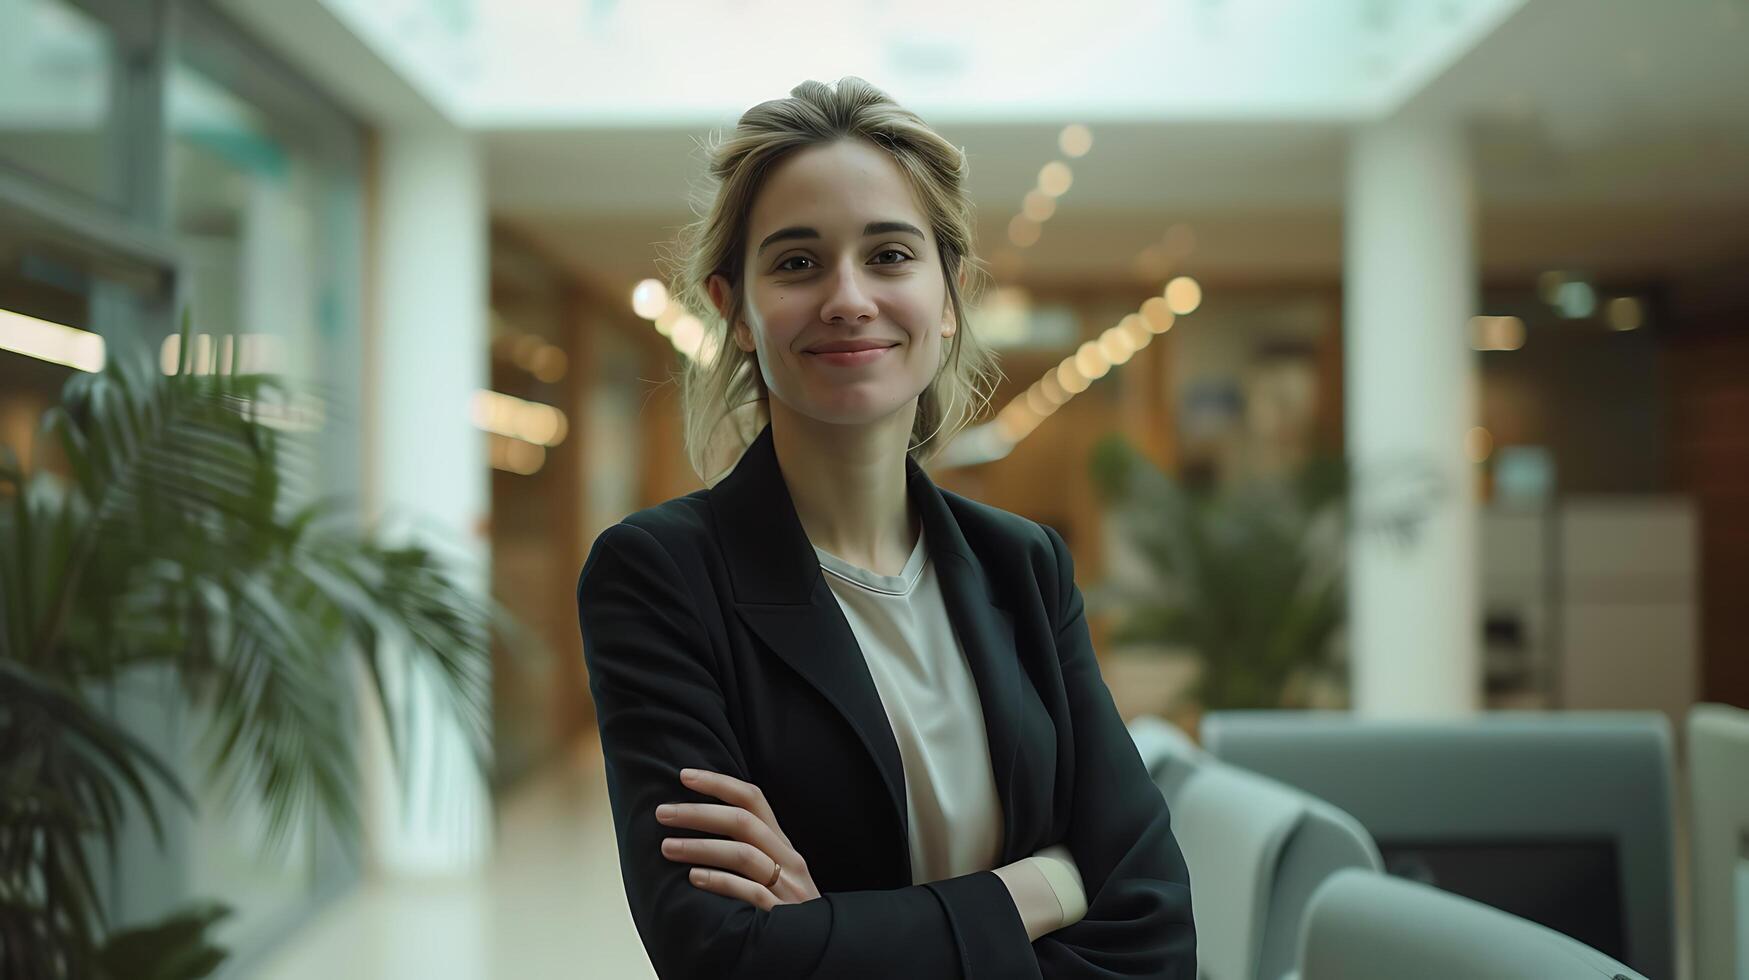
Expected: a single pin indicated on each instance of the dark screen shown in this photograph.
(1573, 887)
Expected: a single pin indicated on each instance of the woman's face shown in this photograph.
(839, 254)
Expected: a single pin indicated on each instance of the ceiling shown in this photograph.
(678, 63)
(1607, 135)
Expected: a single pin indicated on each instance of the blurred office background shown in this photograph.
(1420, 326)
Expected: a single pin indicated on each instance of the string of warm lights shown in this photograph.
(650, 300)
(1054, 180)
(520, 431)
(1094, 360)
(515, 455)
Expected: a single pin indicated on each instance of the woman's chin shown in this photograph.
(847, 409)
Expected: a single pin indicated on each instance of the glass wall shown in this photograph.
(154, 161)
(76, 246)
(58, 111)
(263, 206)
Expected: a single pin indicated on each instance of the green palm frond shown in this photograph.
(1248, 579)
(168, 533)
(69, 774)
(176, 948)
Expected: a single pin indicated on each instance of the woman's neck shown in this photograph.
(848, 486)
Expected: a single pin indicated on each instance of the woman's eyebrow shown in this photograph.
(873, 228)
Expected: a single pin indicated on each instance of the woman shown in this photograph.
(853, 724)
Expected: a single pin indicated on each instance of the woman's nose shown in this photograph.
(849, 298)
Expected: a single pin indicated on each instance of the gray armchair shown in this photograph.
(1366, 926)
(1257, 849)
(1561, 818)
(1718, 769)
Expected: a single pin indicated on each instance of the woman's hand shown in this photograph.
(741, 866)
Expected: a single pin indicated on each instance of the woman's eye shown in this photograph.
(881, 259)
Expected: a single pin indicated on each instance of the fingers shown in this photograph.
(730, 790)
(735, 868)
(727, 821)
(743, 859)
(734, 886)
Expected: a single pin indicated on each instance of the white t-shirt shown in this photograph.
(932, 703)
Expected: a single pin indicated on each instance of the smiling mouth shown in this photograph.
(850, 358)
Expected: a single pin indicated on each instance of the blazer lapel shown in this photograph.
(783, 598)
(781, 595)
(986, 632)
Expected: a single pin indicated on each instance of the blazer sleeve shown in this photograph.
(660, 708)
(1138, 920)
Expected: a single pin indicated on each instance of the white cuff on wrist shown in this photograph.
(1058, 867)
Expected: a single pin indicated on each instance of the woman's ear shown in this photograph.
(948, 325)
(718, 287)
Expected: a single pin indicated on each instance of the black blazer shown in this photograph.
(713, 641)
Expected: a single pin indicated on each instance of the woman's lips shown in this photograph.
(849, 358)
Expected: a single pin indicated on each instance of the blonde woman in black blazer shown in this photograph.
(730, 690)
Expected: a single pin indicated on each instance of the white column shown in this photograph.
(1409, 291)
(428, 462)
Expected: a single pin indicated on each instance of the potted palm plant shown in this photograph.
(167, 534)
(1249, 580)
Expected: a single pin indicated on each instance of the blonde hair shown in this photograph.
(724, 403)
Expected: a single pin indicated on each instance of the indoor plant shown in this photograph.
(168, 533)
(1249, 579)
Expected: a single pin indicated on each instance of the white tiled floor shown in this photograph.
(549, 906)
